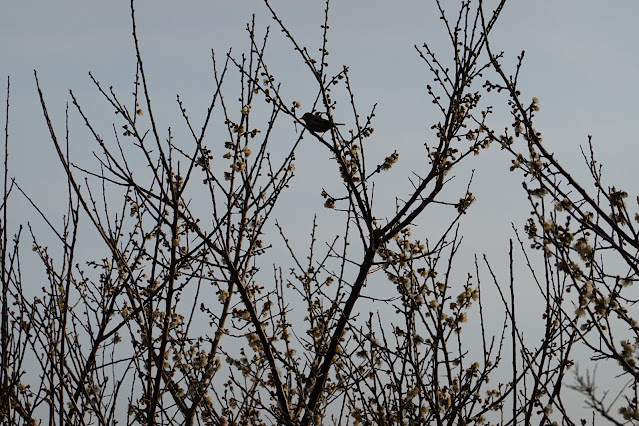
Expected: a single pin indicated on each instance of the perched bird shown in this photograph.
(317, 124)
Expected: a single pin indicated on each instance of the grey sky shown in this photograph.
(581, 61)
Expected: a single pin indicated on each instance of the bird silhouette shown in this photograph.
(317, 124)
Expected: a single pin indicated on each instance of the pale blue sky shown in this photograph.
(581, 62)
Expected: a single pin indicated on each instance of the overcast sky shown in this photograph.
(581, 62)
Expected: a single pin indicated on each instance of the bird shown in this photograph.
(317, 124)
